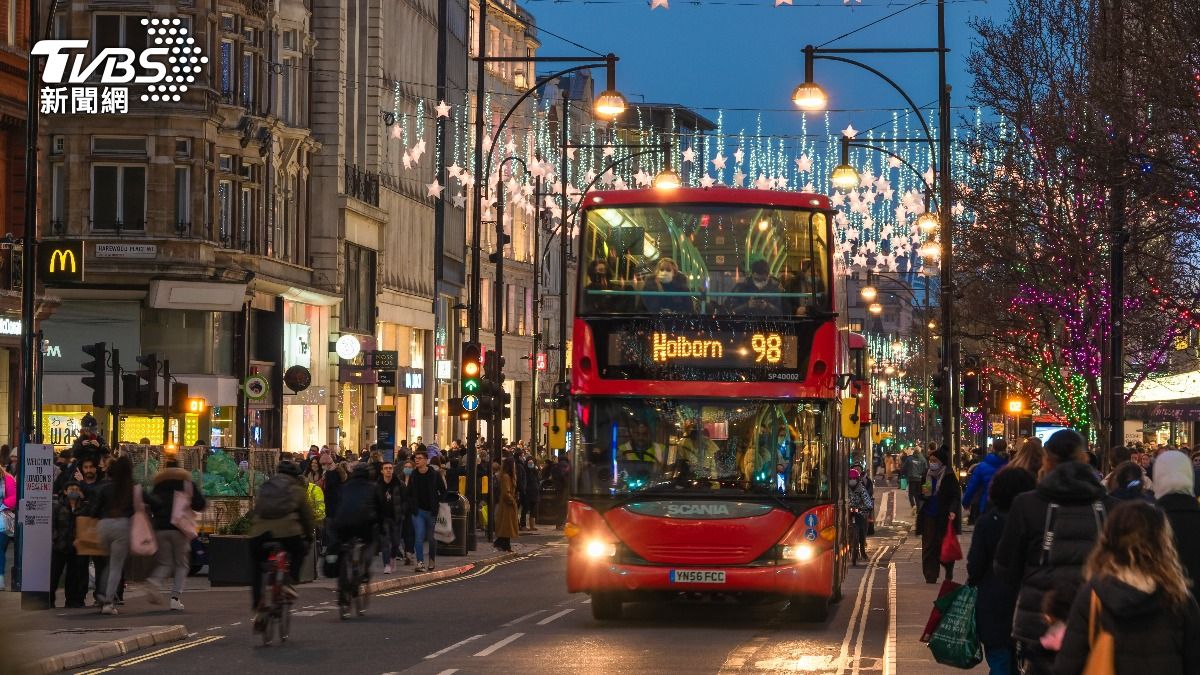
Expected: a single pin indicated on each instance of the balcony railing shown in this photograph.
(362, 185)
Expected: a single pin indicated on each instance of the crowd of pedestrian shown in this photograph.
(1076, 571)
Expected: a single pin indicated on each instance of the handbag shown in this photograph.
(8, 519)
(443, 529)
(951, 549)
(935, 615)
(955, 642)
(141, 532)
(1101, 656)
(182, 515)
(87, 537)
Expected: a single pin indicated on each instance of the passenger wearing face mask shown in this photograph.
(667, 279)
(941, 508)
(759, 293)
(599, 282)
(861, 506)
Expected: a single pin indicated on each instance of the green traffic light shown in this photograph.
(470, 386)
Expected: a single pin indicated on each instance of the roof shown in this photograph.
(712, 195)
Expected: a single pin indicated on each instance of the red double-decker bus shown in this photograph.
(707, 377)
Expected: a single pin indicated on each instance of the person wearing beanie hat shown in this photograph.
(941, 508)
(1175, 489)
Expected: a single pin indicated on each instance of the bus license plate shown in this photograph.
(697, 576)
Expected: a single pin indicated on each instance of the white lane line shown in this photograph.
(862, 629)
(192, 634)
(499, 645)
(213, 628)
(448, 671)
(519, 619)
(586, 602)
(889, 647)
(859, 607)
(557, 615)
(454, 646)
(236, 623)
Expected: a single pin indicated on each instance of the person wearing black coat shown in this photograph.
(393, 498)
(943, 503)
(1175, 487)
(63, 558)
(532, 492)
(996, 600)
(1025, 565)
(174, 548)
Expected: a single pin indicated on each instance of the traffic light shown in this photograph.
(562, 395)
(98, 377)
(183, 404)
(503, 399)
(470, 374)
(493, 367)
(971, 391)
(938, 389)
(147, 381)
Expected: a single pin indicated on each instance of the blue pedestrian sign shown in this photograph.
(471, 403)
(810, 520)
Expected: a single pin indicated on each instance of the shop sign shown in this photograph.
(414, 380)
(61, 429)
(10, 326)
(297, 378)
(356, 375)
(347, 347)
(997, 428)
(381, 359)
(60, 261)
(443, 370)
(126, 250)
(541, 362)
(35, 511)
(385, 378)
(297, 346)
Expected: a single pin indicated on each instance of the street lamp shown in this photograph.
(868, 293)
(875, 308)
(930, 250)
(610, 103)
(809, 95)
(667, 180)
(845, 177)
(927, 222)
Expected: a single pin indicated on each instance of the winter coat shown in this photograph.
(1074, 488)
(945, 500)
(362, 502)
(981, 480)
(1149, 636)
(63, 531)
(533, 487)
(860, 499)
(299, 523)
(166, 483)
(1183, 512)
(506, 508)
(316, 499)
(103, 505)
(393, 498)
(10, 492)
(334, 480)
(997, 600)
(426, 490)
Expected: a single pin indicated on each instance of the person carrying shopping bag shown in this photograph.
(115, 507)
(176, 497)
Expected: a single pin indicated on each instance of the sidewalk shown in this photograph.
(50, 642)
(914, 598)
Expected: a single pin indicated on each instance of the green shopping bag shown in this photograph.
(955, 642)
(903, 483)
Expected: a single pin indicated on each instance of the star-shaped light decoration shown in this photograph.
(459, 200)
(739, 155)
(620, 184)
(718, 162)
(443, 109)
(655, 4)
(510, 147)
(689, 155)
(434, 189)
(571, 153)
(454, 170)
(707, 181)
(894, 163)
(396, 132)
(849, 131)
(406, 161)
(782, 2)
(609, 150)
(804, 163)
(762, 183)
(738, 178)
(418, 150)
(642, 179)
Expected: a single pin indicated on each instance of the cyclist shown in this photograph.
(281, 514)
(860, 505)
(357, 519)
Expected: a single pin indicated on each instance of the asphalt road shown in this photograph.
(517, 618)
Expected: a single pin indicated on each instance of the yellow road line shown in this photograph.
(153, 655)
(462, 577)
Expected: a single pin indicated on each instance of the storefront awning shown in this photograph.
(1166, 388)
(1168, 411)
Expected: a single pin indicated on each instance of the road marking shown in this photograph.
(462, 577)
(213, 628)
(311, 612)
(557, 615)
(235, 623)
(499, 645)
(859, 609)
(448, 671)
(522, 618)
(862, 629)
(153, 655)
(454, 646)
(586, 602)
(889, 646)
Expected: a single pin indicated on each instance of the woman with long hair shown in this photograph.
(313, 472)
(506, 506)
(1030, 456)
(1136, 590)
(114, 507)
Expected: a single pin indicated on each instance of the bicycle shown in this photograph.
(275, 605)
(352, 577)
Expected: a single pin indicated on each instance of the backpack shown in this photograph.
(276, 498)
(357, 506)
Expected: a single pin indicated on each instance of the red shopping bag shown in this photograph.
(935, 616)
(951, 549)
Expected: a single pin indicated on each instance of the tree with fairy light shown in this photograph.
(1096, 117)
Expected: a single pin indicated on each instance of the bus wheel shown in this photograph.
(808, 608)
(606, 606)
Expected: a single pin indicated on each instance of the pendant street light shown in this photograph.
(845, 177)
(809, 95)
(930, 250)
(868, 293)
(667, 180)
(875, 308)
(927, 222)
(610, 103)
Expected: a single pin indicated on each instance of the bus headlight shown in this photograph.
(800, 552)
(600, 549)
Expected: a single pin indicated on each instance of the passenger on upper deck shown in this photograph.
(664, 292)
(805, 290)
(761, 292)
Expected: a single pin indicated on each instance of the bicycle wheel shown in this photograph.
(360, 574)
(264, 606)
(285, 620)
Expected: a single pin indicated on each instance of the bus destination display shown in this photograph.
(664, 350)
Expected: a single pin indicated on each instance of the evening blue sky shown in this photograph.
(741, 54)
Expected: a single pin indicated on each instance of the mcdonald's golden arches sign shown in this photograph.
(60, 261)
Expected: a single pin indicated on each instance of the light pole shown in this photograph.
(609, 104)
(810, 96)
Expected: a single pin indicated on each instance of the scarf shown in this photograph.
(935, 475)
